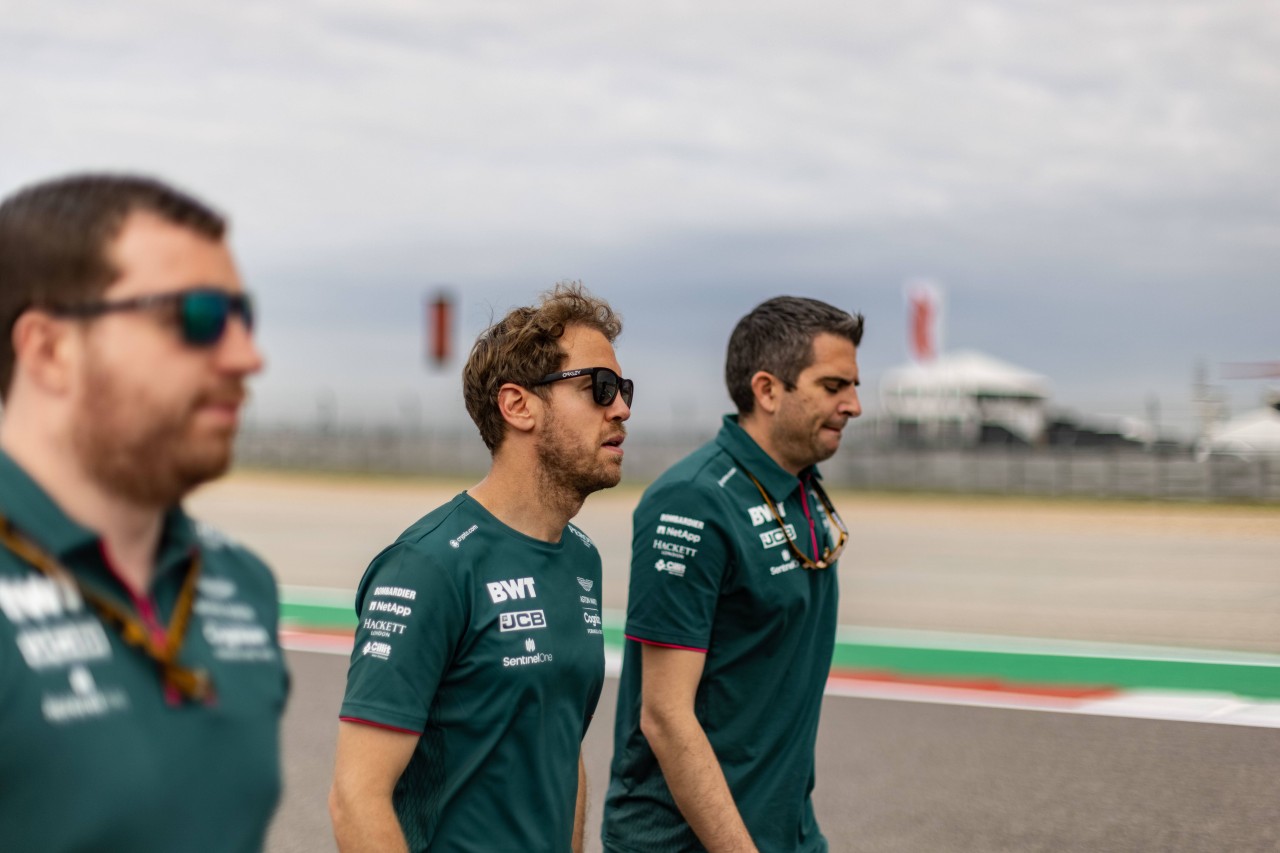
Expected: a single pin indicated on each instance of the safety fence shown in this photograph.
(860, 464)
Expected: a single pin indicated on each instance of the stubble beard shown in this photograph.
(141, 453)
(802, 446)
(570, 470)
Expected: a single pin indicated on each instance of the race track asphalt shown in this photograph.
(902, 777)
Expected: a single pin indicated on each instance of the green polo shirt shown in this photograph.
(711, 572)
(487, 644)
(97, 754)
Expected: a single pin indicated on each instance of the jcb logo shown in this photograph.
(501, 591)
(774, 538)
(524, 620)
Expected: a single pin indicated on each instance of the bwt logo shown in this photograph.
(501, 591)
(761, 514)
(524, 620)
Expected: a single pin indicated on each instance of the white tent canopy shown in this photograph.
(964, 373)
(1255, 433)
(958, 396)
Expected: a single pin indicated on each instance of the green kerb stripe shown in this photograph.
(1257, 678)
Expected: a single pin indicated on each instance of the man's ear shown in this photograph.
(767, 389)
(521, 408)
(45, 351)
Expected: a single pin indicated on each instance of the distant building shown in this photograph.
(1253, 435)
(965, 399)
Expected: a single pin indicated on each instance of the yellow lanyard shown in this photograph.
(828, 557)
(193, 684)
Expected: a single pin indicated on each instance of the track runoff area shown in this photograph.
(1143, 682)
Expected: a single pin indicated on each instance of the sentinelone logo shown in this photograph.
(525, 660)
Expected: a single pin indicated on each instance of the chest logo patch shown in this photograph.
(762, 514)
(774, 538)
(500, 591)
(522, 620)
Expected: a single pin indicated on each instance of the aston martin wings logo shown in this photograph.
(586, 584)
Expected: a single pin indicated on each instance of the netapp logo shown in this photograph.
(678, 532)
(390, 607)
(523, 620)
(500, 591)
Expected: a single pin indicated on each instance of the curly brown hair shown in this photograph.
(524, 346)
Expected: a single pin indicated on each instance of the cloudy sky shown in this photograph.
(1095, 184)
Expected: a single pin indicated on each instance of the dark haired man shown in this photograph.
(480, 657)
(141, 684)
(731, 615)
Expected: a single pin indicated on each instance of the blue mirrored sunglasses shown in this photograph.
(202, 312)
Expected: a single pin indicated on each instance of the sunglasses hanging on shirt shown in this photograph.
(830, 555)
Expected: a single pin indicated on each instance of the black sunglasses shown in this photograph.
(605, 384)
(202, 312)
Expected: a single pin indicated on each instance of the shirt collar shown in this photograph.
(37, 516)
(777, 481)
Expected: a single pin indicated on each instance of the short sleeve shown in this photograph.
(678, 560)
(411, 622)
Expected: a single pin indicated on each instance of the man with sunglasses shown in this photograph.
(480, 655)
(141, 682)
(731, 615)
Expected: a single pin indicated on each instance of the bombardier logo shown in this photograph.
(523, 620)
(669, 518)
(501, 591)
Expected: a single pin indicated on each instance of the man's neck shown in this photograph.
(525, 499)
(130, 533)
(757, 426)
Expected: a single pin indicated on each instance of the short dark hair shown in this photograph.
(777, 337)
(54, 237)
(523, 347)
